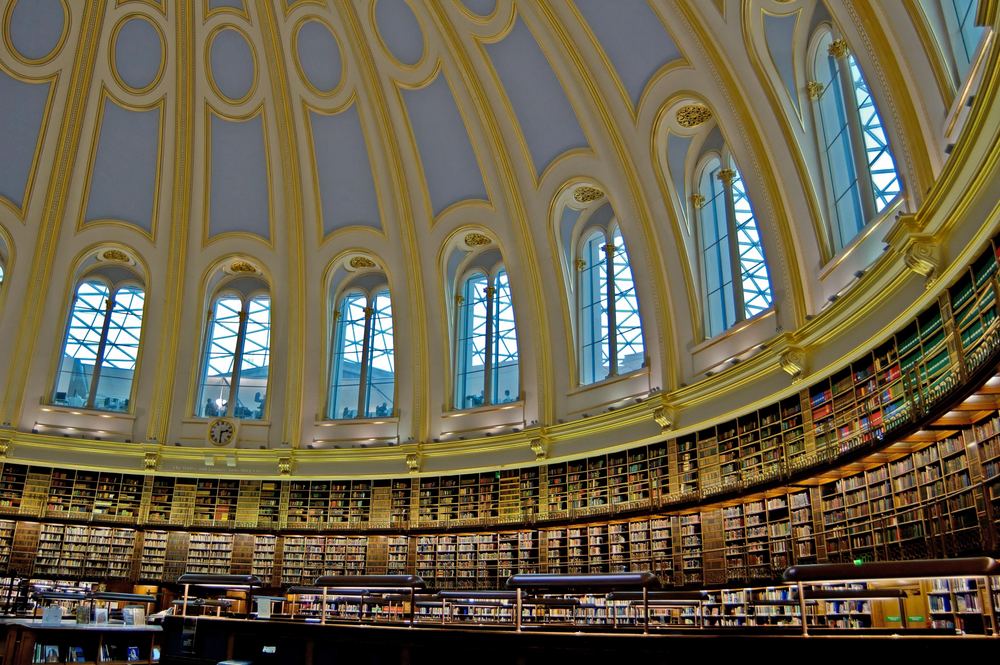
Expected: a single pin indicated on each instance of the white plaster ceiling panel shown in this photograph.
(450, 167)
(238, 182)
(226, 4)
(547, 119)
(318, 56)
(780, 32)
(343, 171)
(36, 28)
(399, 31)
(232, 65)
(633, 38)
(677, 150)
(138, 54)
(22, 108)
(481, 8)
(124, 174)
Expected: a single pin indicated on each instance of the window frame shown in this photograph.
(370, 296)
(734, 273)
(490, 340)
(857, 164)
(114, 287)
(245, 298)
(602, 305)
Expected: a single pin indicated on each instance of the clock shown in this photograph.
(221, 431)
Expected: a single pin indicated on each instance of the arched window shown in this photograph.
(486, 366)
(101, 346)
(363, 372)
(963, 34)
(859, 171)
(729, 245)
(236, 359)
(610, 329)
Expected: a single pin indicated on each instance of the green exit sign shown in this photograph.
(894, 619)
(916, 618)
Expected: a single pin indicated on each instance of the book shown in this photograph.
(132, 654)
(75, 655)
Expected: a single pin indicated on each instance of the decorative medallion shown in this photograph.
(815, 89)
(586, 194)
(838, 48)
(242, 267)
(692, 115)
(115, 256)
(477, 240)
(361, 262)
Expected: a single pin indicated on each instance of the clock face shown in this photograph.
(221, 431)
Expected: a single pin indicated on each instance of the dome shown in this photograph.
(384, 236)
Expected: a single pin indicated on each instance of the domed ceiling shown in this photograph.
(303, 138)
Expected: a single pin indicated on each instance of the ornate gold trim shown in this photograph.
(477, 240)
(815, 89)
(358, 262)
(838, 48)
(693, 115)
(587, 194)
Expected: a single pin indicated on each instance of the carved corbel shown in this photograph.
(665, 417)
(413, 462)
(540, 447)
(793, 362)
(151, 461)
(5, 447)
(923, 257)
(284, 466)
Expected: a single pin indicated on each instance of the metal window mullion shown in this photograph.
(460, 325)
(855, 131)
(365, 359)
(488, 345)
(241, 338)
(726, 176)
(95, 376)
(609, 266)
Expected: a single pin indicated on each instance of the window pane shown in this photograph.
(881, 167)
(220, 354)
(716, 268)
(381, 366)
(1, 273)
(348, 345)
(506, 379)
(470, 386)
(594, 354)
(114, 388)
(963, 33)
(83, 337)
(843, 192)
(630, 349)
(753, 269)
(252, 391)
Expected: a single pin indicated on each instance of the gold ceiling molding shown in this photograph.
(693, 115)
(359, 262)
(587, 194)
(477, 240)
(114, 256)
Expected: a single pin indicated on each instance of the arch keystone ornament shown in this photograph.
(114, 256)
(693, 115)
(358, 262)
(242, 268)
(793, 362)
(587, 194)
(477, 240)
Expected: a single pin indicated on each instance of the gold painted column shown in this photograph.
(609, 267)
(488, 360)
